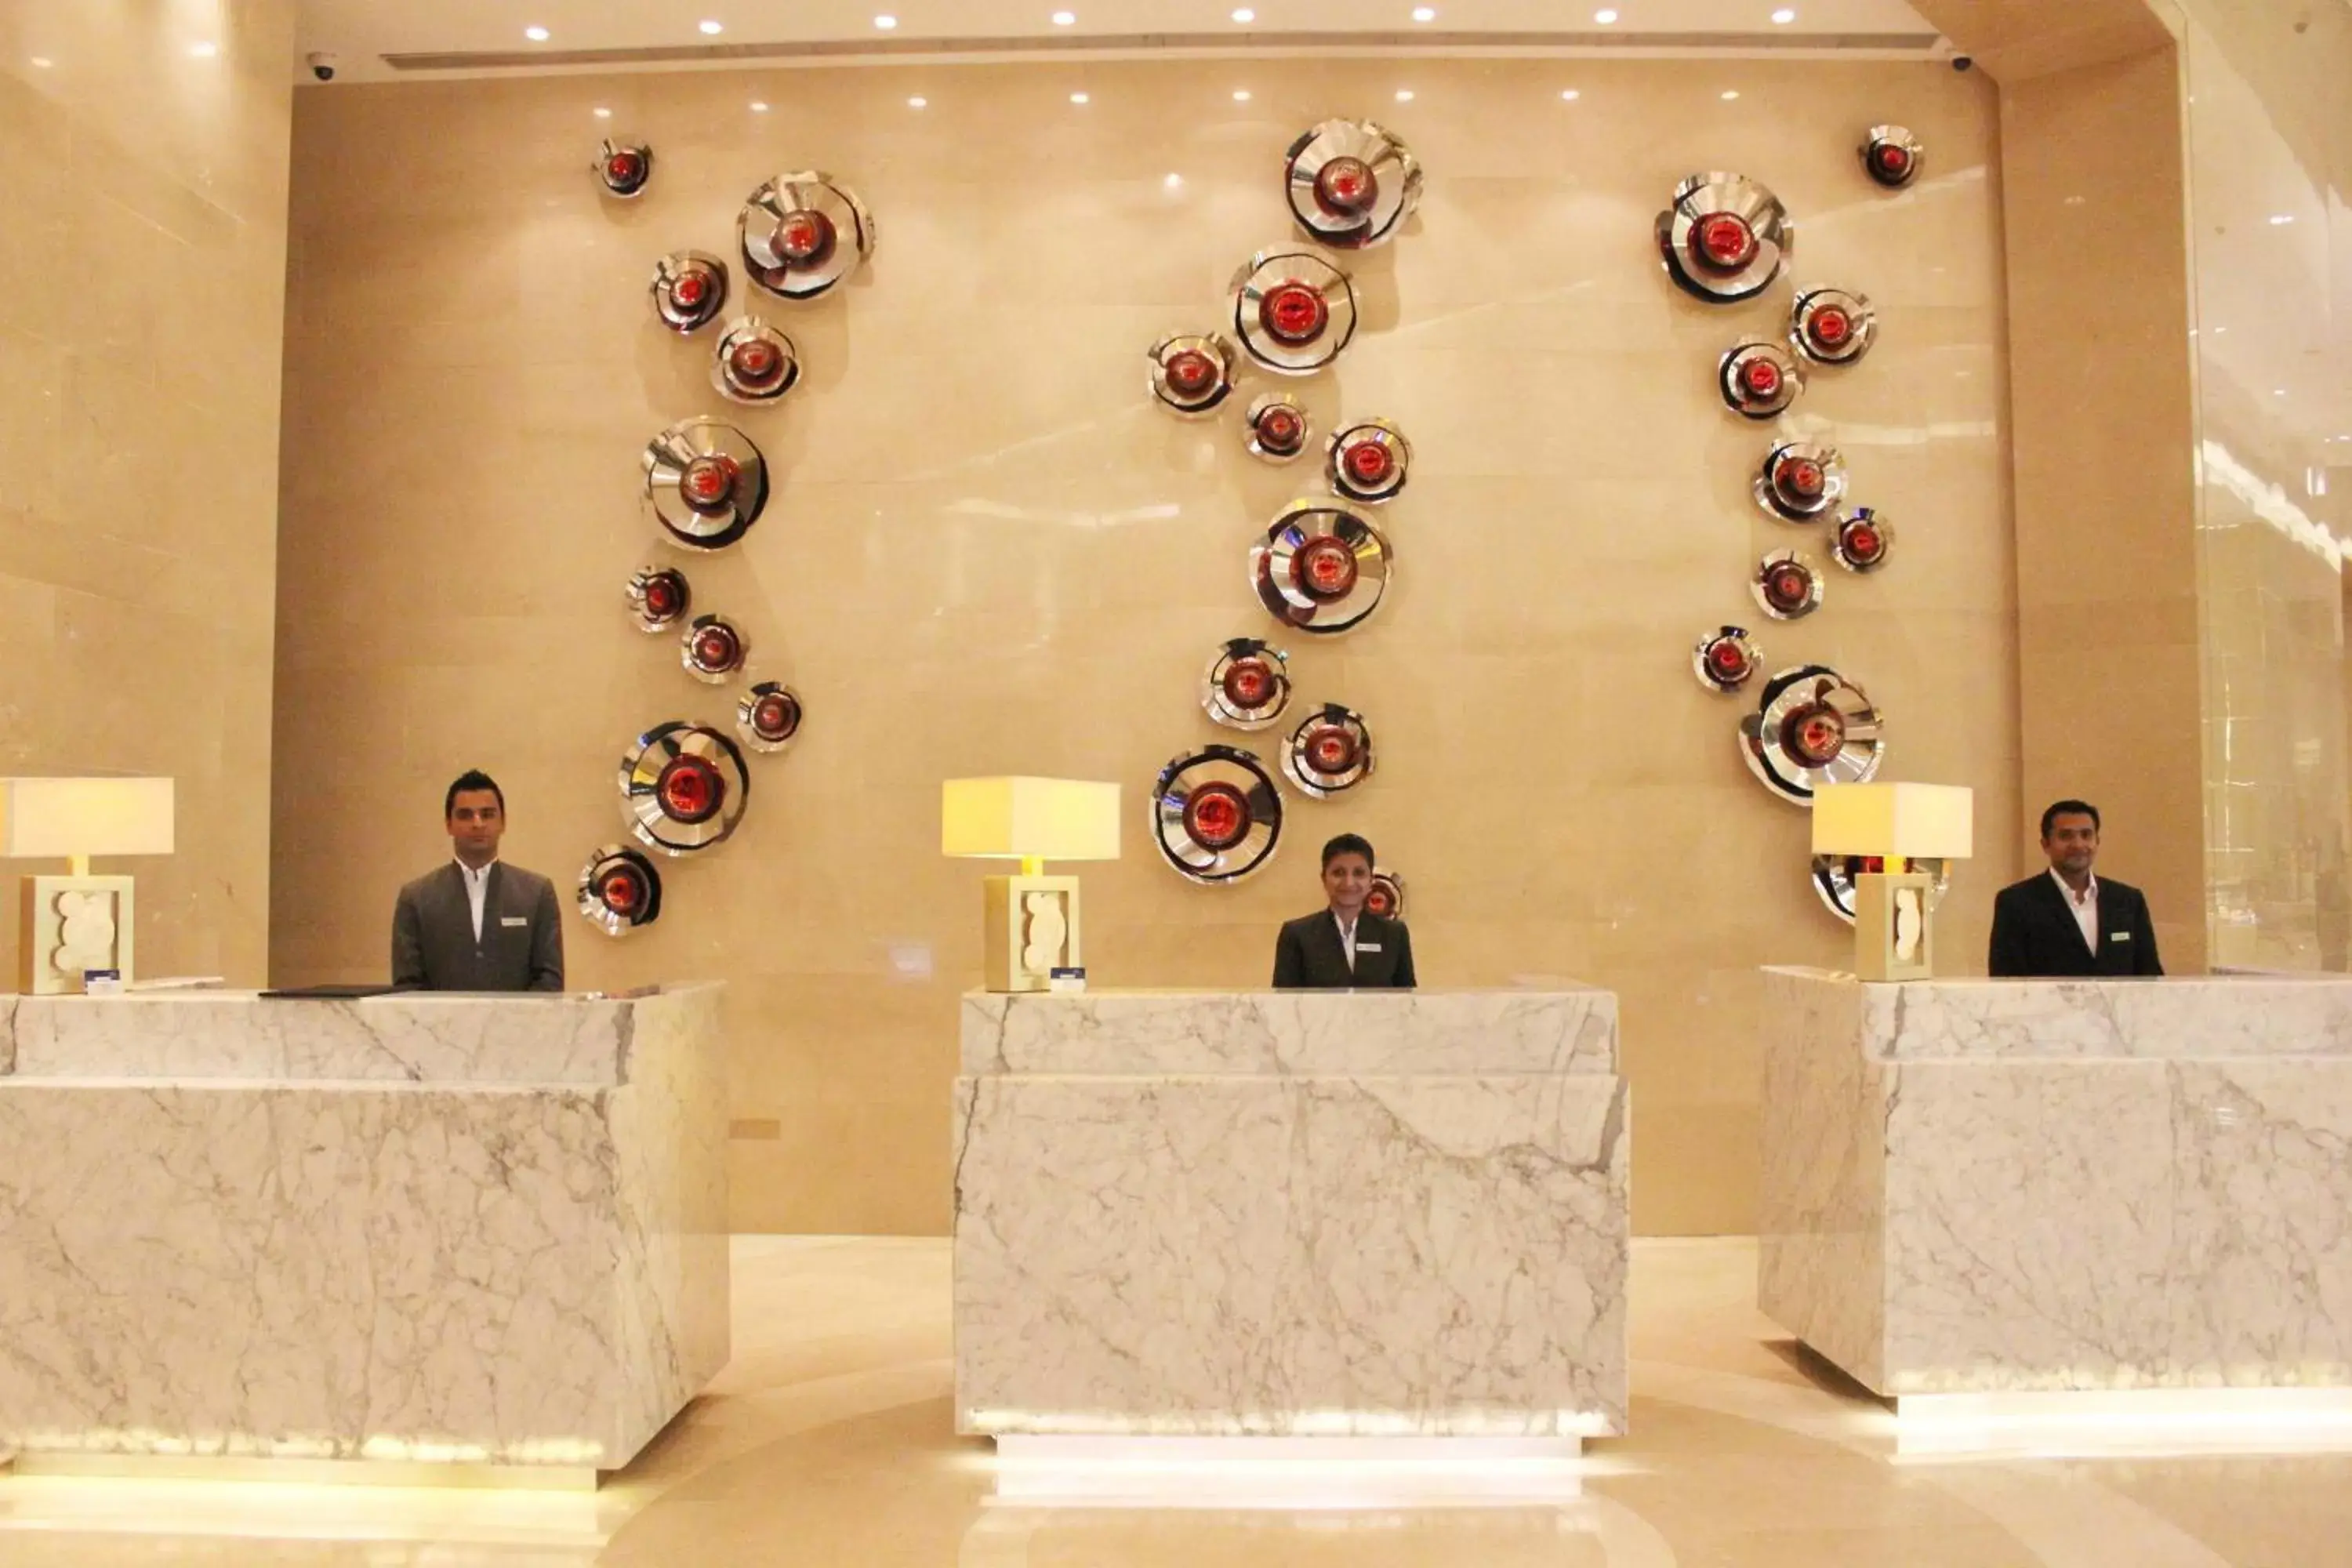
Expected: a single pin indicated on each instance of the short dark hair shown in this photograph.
(2068, 808)
(472, 778)
(1348, 844)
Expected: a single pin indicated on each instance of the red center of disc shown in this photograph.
(1789, 586)
(775, 717)
(1216, 816)
(1294, 312)
(1330, 750)
(1814, 735)
(688, 289)
(756, 361)
(1803, 476)
(715, 649)
(1248, 682)
(1761, 377)
(1191, 372)
(1832, 327)
(1894, 160)
(1380, 902)
(620, 892)
(1723, 242)
(1325, 568)
(1279, 428)
(1345, 186)
(689, 790)
(710, 479)
(661, 596)
(1726, 658)
(1862, 542)
(623, 168)
(1370, 462)
(805, 238)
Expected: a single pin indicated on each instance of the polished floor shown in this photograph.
(827, 1443)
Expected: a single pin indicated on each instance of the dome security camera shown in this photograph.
(322, 64)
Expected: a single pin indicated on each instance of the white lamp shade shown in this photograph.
(1918, 821)
(1022, 818)
(44, 819)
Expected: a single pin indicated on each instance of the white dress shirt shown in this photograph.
(478, 892)
(1347, 940)
(2084, 905)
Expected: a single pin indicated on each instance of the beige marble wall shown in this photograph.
(988, 553)
(142, 308)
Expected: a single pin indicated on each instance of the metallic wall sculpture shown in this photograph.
(1329, 751)
(1800, 480)
(705, 483)
(688, 289)
(1891, 156)
(1368, 461)
(1812, 727)
(1832, 326)
(1248, 684)
(1293, 310)
(1387, 897)
(623, 167)
(1278, 427)
(1216, 814)
(801, 234)
(1192, 373)
(1786, 585)
(683, 788)
(1351, 183)
(620, 890)
(1725, 238)
(1759, 380)
(659, 596)
(1862, 542)
(769, 716)
(754, 362)
(1725, 661)
(1834, 875)
(1321, 568)
(713, 650)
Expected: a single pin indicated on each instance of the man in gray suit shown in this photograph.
(476, 924)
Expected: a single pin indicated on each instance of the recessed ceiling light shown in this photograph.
(1730, 94)
(1783, 17)
(1244, 15)
(2221, 328)
(712, 27)
(1078, 98)
(1404, 95)
(919, 103)
(204, 51)
(536, 35)
(2278, 392)
(1066, 18)
(1240, 95)
(601, 113)
(2278, 219)
(1424, 12)
(758, 107)
(1174, 181)
(886, 22)
(1604, 16)
(42, 62)
(1570, 95)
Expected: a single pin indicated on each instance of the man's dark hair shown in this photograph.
(1348, 844)
(2068, 808)
(472, 778)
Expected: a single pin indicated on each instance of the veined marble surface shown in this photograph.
(2174, 1211)
(1263, 1249)
(1300, 1032)
(498, 1271)
(2273, 1016)
(423, 1036)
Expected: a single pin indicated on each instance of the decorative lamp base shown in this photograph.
(1894, 938)
(69, 925)
(1033, 929)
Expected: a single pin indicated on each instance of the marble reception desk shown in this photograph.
(471, 1229)
(1297, 1214)
(2012, 1187)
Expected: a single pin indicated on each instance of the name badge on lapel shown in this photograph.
(2119, 936)
(514, 920)
(1368, 947)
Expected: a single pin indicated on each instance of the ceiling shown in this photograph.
(408, 39)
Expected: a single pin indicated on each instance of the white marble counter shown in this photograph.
(480, 1229)
(1291, 1214)
(1972, 1186)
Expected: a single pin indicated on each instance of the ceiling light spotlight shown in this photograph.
(1078, 98)
(1424, 12)
(2279, 218)
(1404, 95)
(1783, 17)
(1240, 95)
(601, 113)
(1066, 18)
(919, 103)
(1173, 180)
(204, 51)
(711, 27)
(1605, 17)
(1245, 15)
(1570, 95)
(886, 22)
(1730, 94)
(758, 107)
(42, 62)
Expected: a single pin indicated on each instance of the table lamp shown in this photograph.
(1033, 919)
(78, 922)
(1893, 933)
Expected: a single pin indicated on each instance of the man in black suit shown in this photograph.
(2070, 923)
(476, 924)
(1342, 948)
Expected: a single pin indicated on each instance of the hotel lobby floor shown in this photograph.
(827, 1443)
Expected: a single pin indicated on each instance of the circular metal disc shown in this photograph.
(810, 205)
(1272, 280)
(1770, 236)
(1281, 567)
(669, 457)
(619, 890)
(1351, 183)
(1250, 809)
(677, 822)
